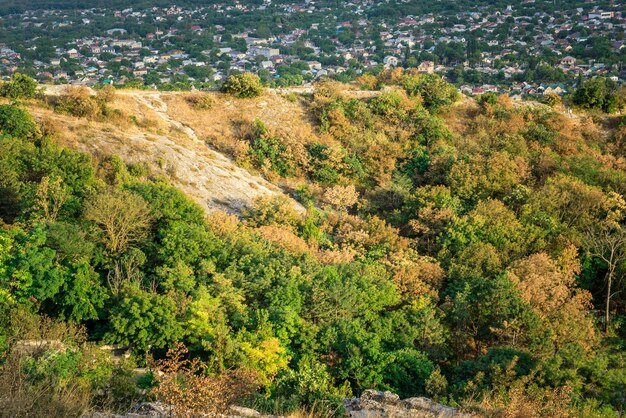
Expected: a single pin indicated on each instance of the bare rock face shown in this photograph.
(371, 404)
(174, 150)
(142, 410)
(376, 404)
(161, 410)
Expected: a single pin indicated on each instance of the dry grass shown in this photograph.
(228, 118)
(159, 132)
(192, 391)
(314, 411)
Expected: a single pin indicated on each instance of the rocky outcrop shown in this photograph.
(376, 404)
(142, 410)
(371, 404)
(161, 410)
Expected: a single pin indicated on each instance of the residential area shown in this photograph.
(522, 49)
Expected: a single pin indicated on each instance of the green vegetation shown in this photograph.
(19, 87)
(243, 86)
(17, 122)
(200, 101)
(268, 151)
(469, 252)
(434, 91)
(599, 93)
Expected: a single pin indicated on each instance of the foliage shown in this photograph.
(267, 150)
(598, 93)
(186, 386)
(489, 98)
(200, 101)
(19, 87)
(434, 91)
(243, 86)
(462, 256)
(122, 217)
(15, 121)
(60, 375)
(144, 319)
(77, 101)
(552, 100)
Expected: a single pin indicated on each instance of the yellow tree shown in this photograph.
(122, 216)
(549, 287)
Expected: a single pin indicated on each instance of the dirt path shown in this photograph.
(154, 102)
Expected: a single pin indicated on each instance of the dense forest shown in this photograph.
(471, 252)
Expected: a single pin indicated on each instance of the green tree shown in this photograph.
(408, 372)
(122, 217)
(435, 91)
(144, 320)
(244, 85)
(598, 93)
(19, 87)
(16, 122)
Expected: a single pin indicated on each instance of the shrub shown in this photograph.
(409, 372)
(268, 151)
(600, 94)
(106, 95)
(16, 122)
(243, 85)
(291, 97)
(192, 391)
(324, 165)
(489, 98)
(341, 197)
(552, 100)
(435, 91)
(391, 105)
(19, 87)
(367, 82)
(199, 101)
(272, 210)
(77, 101)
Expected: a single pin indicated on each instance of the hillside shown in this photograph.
(289, 251)
(171, 139)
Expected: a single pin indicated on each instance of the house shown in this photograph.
(264, 51)
(314, 65)
(426, 67)
(390, 61)
(488, 88)
(569, 61)
(118, 31)
(551, 90)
